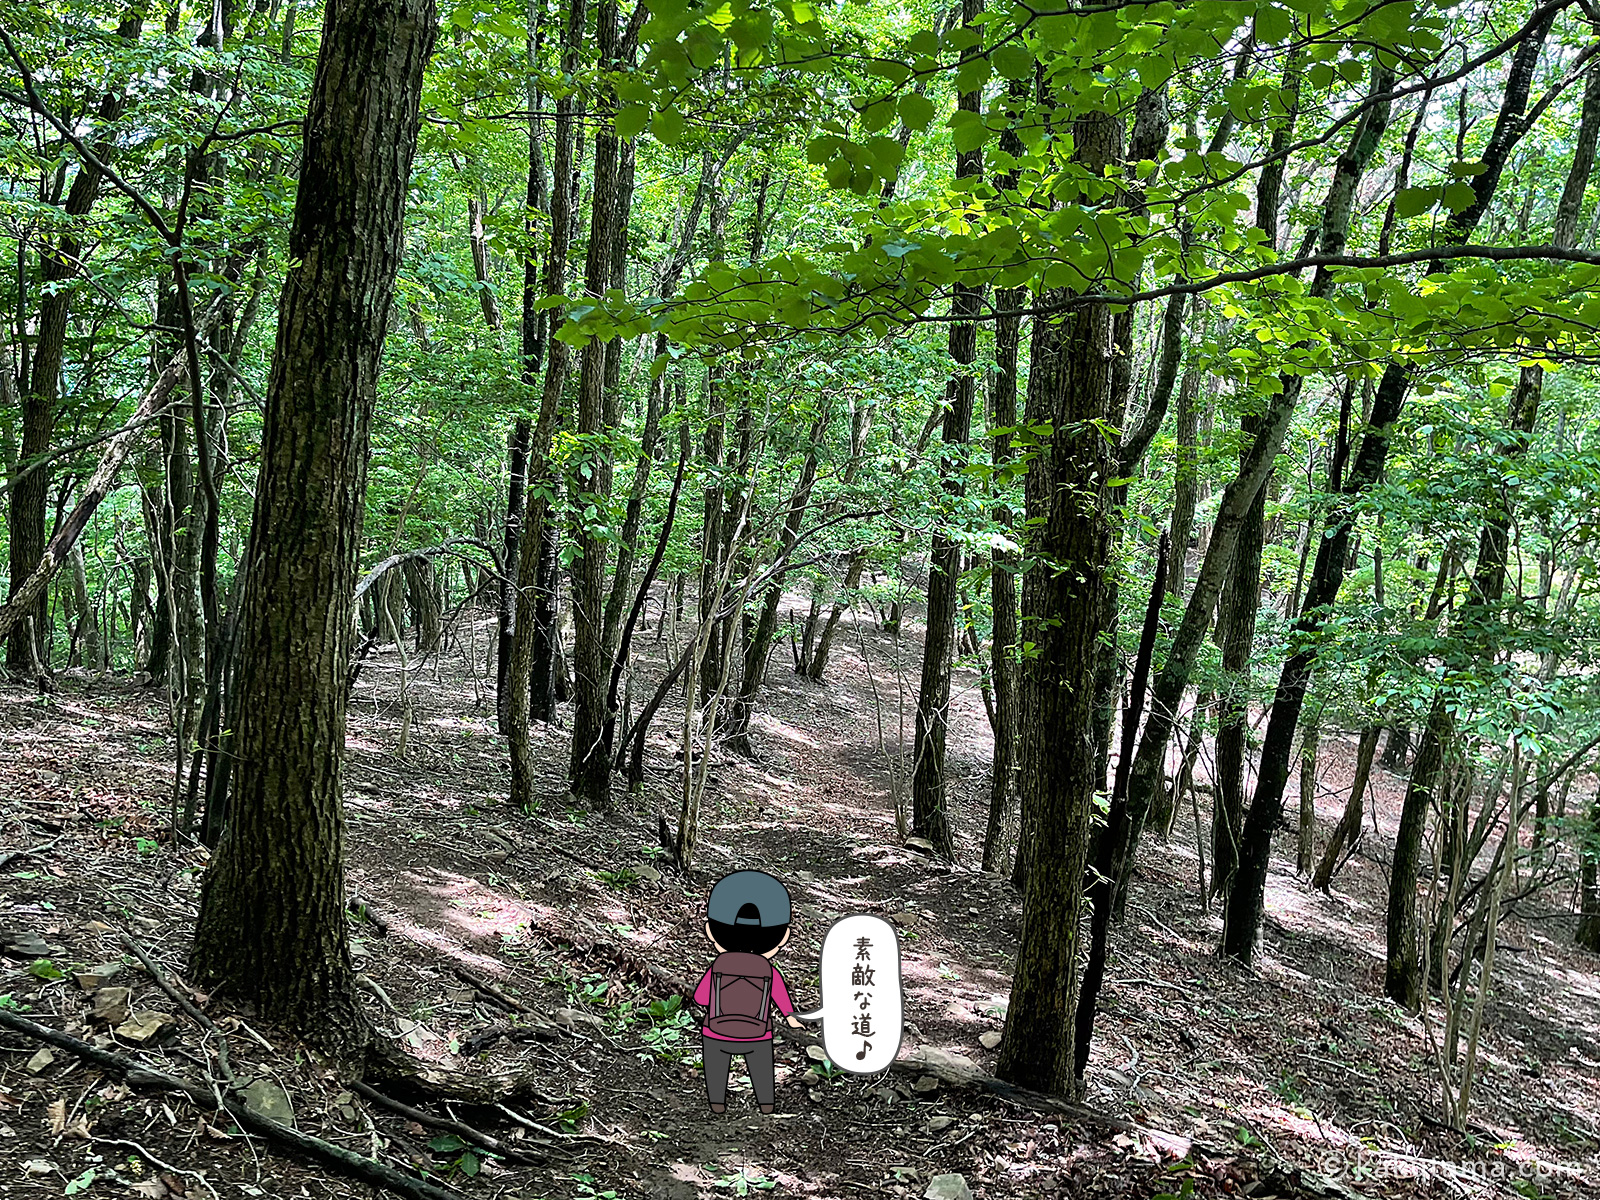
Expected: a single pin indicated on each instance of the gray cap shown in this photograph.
(732, 892)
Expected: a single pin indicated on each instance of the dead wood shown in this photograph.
(488, 1141)
(141, 1075)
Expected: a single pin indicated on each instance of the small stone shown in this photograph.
(145, 1026)
(928, 1083)
(938, 1124)
(918, 843)
(96, 978)
(974, 912)
(805, 876)
(989, 1040)
(571, 1016)
(816, 1054)
(266, 1099)
(887, 1094)
(38, 1166)
(647, 873)
(811, 1077)
(816, 1095)
(948, 1187)
(904, 919)
(147, 923)
(111, 1005)
(41, 1059)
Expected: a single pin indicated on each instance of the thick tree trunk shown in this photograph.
(272, 925)
(1068, 389)
(1236, 618)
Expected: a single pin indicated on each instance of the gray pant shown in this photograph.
(718, 1055)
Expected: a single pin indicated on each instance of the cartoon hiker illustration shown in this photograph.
(747, 920)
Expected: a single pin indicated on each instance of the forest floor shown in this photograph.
(1294, 1078)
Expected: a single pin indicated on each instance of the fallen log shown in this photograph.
(141, 1075)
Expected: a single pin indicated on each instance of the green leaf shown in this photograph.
(667, 126)
(632, 120)
(915, 112)
(446, 1143)
(1273, 25)
(1153, 70)
(967, 131)
(43, 968)
(468, 1162)
(1012, 61)
(1408, 202)
(1459, 196)
(972, 74)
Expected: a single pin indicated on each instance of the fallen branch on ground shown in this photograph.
(140, 1075)
(490, 990)
(490, 1143)
(11, 856)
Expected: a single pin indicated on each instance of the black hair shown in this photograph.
(747, 939)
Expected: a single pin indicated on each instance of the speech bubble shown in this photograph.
(862, 1005)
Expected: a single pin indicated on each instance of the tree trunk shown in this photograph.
(1068, 389)
(1348, 831)
(272, 925)
(42, 390)
(1309, 738)
(1003, 567)
(590, 769)
(1588, 931)
(1243, 915)
(1186, 477)
(528, 678)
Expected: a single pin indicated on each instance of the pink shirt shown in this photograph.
(780, 998)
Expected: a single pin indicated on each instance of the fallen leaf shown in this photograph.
(57, 1112)
(153, 1188)
(41, 1059)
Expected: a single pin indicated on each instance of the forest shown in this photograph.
(1093, 489)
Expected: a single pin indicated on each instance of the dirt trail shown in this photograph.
(567, 912)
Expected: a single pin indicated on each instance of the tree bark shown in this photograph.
(1348, 831)
(272, 925)
(527, 681)
(1309, 738)
(590, 769)
(929, 818)
(1069, 389)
